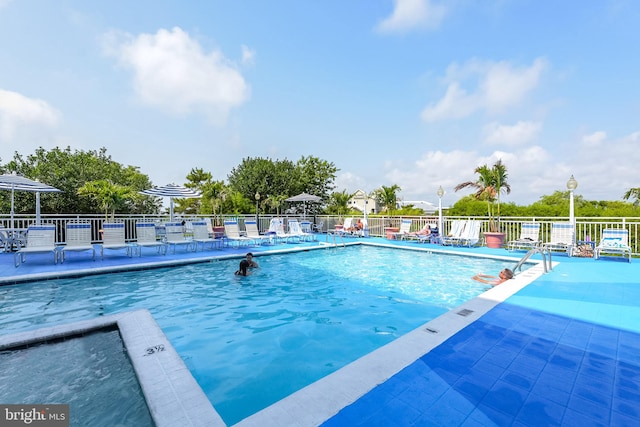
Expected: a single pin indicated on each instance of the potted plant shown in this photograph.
(490, 183)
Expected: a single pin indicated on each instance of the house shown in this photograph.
(361, 200)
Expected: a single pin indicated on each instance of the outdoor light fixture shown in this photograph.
(440, 194)
(257, 206)
(572, 184)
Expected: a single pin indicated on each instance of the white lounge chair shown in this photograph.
(78, 239)
(232, 234)
(175, 237)
(422, 236)
(148, 238)
(561, 238)
(40, 239)
(529, 237)
(201, 235)
(113, 238)
(469, 234)
(296, 231)
(614, 241)
(405, 229)
(307, 227)
(251, 227)
(276, 228)
(454, 235)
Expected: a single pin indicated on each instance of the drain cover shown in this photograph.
(465, 312)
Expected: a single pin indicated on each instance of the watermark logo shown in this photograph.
(34, 415)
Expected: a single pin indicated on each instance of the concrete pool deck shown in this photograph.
(561, 350)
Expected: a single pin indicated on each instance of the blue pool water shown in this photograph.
(250, 341)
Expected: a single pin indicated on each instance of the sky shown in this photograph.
(415, 93)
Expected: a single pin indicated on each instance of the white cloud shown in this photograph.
(595, 139)
(20, 112)
(173, 73)
(413, 14)
(518, 134)
(499, 86)
(248, 55)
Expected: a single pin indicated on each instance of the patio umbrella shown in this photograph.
(304, 198)
(172, 191)
(15, 182)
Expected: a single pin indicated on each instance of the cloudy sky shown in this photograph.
(409, 92)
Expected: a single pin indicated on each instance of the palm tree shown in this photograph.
(107, 194)
(490, 183)
(633, 192)
(339, 203)
(387, 197)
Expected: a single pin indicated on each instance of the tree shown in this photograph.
(338, 204)
(109, 196)
(69, 170)
(490, 183)
(633, 193)
(387, 197)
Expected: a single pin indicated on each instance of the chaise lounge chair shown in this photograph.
(561, 238)
(78, 239)
(232, 234)
(175, 237)
(251, 227)
(147, 238)
(40, 239)
(529, 237)
(113, 238)
(405, 229)
(296, 231)
(614, 241)
(201, 235)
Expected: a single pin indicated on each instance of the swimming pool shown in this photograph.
(251, 341)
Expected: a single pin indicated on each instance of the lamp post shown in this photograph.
(572, 184)
(257, 208)
(440, 194)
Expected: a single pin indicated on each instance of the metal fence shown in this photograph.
(587, 229)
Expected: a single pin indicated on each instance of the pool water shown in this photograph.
(250, 341)
(101, 389)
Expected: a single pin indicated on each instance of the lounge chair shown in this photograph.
(296, 231)
(251, 227)
(276, 228)
(113, 238)
(561, 238)
(347, 227)
(175, 237)
(318, 228)
(422, 236)
(307, 227)
(201, 235)
(148, 238)
(40, 239)
(78, 239)
(614, 241)
(232, 234)
(469, 234)
(529, 237)
(454, 235)
(405, 229)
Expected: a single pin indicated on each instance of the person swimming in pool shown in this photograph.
(252, 263)
(243, 269)
(503, 276)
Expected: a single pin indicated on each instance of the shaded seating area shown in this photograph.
(561, 238)
(146, 237)
(614, 242)
(113, 239)
(40, 239)
(529, 237)
(78, 239)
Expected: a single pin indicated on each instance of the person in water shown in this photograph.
(503, 276)
(252, 263)
(243, 269)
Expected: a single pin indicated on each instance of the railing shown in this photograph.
(587, 228)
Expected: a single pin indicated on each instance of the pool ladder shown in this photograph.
(333, 238)
(537, 250)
